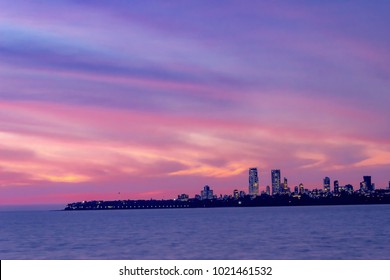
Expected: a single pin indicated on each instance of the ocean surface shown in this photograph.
(284, 233)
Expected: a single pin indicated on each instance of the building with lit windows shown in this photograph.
(183, 197)
(253, 181)
(207, 193)
(285, 186)
(327, 184)
(275, 179)
(336, 186)
(348, 188)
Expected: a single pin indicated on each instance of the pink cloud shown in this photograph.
(107, 148)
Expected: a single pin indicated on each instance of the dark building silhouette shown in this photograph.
(183, 197)
(336, 186)
(285, 186)
(348, 188)
(327, 184)
(301, 189)
(268, 190)
(207, 193)
(367, 183)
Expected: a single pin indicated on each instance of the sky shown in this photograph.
(151, 99)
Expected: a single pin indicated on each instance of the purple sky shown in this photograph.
(152, 99)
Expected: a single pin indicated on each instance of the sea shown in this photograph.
(272, 233)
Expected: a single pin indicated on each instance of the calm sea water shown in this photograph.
(311, 232)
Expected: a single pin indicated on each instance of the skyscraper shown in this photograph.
(253, 181)
(327, 184)
(367, 183)
(207, 193)
(336, 186)
(275, 179)
(285, 186)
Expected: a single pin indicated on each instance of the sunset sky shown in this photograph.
(150, 99)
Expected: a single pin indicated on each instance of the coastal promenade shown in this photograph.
(263, 200)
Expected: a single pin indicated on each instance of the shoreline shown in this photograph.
(247, 201)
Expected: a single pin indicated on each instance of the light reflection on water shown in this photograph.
(310, 232)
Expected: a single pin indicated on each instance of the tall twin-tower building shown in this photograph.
(254, 181)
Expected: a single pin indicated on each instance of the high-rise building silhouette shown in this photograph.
(367, 183)
(275, 179)
(207, 193)
(348, 188)
(253, 181)
(336, 186)
(285, 186)
(301, 189)
(327, 184)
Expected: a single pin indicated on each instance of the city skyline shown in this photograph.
(277, 187)
(281, 195)
(109, 100)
